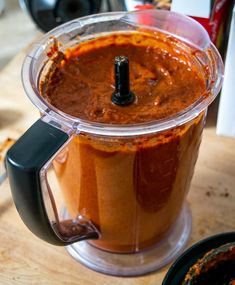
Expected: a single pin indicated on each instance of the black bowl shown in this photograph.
(180, 267)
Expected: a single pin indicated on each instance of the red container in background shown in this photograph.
(216, 23)
(213, 15)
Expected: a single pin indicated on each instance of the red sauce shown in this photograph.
(164, 75)
(132, 189)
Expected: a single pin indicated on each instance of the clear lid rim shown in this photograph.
(112, 129)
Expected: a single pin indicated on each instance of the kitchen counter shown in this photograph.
(24, 259)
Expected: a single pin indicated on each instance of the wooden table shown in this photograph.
(24, 259)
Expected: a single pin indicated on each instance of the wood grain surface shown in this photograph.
(24, 259)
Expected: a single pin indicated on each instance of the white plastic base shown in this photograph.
(136, 263)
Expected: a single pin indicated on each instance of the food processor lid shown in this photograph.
(181, 27)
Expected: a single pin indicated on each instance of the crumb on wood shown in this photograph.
(201, 232)
(225, 194)
(4, 146)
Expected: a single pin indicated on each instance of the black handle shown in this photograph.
(24, 160)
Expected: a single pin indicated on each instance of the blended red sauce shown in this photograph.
(133, 189)
(164, 76)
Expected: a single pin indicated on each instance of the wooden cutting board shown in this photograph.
(24, 259)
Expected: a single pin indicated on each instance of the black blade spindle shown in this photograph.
(122, 95)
